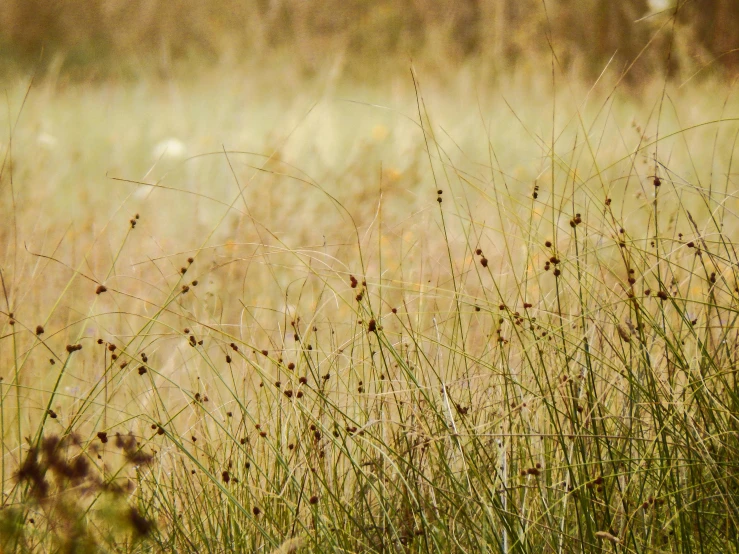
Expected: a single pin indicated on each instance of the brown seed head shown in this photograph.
(607, 536)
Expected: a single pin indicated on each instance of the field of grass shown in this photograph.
(259, 313)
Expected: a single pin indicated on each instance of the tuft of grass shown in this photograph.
(505, 327)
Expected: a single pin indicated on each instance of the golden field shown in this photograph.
(254, 307)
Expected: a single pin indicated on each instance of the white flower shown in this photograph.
(170, 148)
(47, 140)
(656, 6)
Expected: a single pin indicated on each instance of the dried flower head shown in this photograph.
(623, 332)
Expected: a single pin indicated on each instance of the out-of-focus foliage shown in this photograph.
(93, 37)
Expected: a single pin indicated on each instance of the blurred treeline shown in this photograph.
(90, 37)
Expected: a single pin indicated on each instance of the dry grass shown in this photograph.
(100, 39)
(447, 318)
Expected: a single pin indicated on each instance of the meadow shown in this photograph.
(244, 314)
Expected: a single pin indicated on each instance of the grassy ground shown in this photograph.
(244, 315)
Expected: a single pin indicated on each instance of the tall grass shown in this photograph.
(495, 324)
(108, 39)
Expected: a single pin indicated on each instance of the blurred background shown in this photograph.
(135, 101)
(94, 39)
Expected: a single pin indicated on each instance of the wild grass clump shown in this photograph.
(507, 354)
(68, 500)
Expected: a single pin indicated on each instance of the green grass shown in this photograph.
(542, 361)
